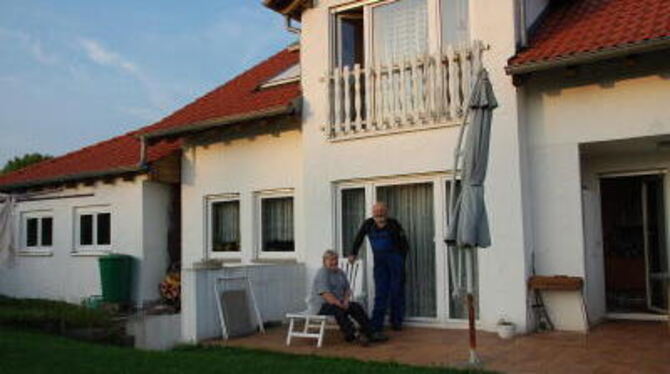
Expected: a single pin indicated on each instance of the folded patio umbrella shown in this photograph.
(468, 223)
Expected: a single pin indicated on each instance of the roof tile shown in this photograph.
(579, 26)
(239, 96)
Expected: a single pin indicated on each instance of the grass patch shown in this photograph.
(50, 315)
(33, 352)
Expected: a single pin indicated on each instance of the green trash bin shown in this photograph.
(115, 276)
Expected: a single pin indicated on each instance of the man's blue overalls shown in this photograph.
(389, 273)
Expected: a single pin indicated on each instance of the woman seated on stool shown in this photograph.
(332, 288)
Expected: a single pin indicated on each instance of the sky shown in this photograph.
(76, 72)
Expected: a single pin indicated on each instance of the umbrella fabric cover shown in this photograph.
(469, 226)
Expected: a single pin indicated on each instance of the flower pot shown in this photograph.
(506, 331)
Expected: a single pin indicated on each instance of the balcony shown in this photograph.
(422, 93)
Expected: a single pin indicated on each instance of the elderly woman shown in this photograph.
(332, 289)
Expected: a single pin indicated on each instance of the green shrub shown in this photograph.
(48, 314)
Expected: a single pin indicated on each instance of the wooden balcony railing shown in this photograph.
(412, 94)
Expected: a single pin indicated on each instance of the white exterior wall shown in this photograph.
(156, 202)
(503, 267)
(244, 167)
(63, 274)
(558, 120)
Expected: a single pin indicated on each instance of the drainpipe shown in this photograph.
(143, 151)
(523, 40)
(290, 27)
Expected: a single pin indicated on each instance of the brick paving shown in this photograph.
(612, 347)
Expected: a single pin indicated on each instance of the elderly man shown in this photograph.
(332, 290)
(389, 247)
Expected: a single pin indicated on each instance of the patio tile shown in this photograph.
(614, 347)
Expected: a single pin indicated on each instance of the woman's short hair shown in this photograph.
(329, 253)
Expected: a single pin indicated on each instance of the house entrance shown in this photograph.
(634, 243)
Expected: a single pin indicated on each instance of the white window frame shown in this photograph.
(440, 199)
(259, 196)
(434, 27)
(210, 200)
(94, 248)
(40, 248)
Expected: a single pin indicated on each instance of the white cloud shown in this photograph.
(30, 44)
(102, 56)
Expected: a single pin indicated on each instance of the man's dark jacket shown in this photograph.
(397, 233)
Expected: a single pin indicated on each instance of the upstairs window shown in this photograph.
(397, 30)
(36, 231)
(455, 23)
(400, 31)
(349, 44)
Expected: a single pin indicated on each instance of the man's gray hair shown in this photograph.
(329, 253)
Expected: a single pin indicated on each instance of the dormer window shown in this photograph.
(290, 75)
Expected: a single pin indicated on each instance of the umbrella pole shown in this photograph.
(474, 359)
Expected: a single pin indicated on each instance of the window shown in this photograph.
(353, 215)
(93, 229)
(455, 29)
(397, 31)
(224, 226)
(36, 231)
(276, 219)
(349, 38)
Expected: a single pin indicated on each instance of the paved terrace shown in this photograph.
(613, 347)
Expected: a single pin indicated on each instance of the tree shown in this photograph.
(20, 162)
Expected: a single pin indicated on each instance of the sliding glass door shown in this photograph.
(412, 206)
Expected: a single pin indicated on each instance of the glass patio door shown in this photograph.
(656, 254)
(412, 206)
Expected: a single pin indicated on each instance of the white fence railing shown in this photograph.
(409, 94)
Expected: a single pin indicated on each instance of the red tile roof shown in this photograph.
(237, 97)
(575, 27)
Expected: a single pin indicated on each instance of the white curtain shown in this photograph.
(7, 242)
(400, 30)
(226, 226)
(412, 206)
(353, 215)
(455, 22)
(277, 224)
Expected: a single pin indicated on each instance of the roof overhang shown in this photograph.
(75, 177)
(289, 8)
(197, 127)
(591, 56)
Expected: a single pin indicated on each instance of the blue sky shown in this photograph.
(75, 72)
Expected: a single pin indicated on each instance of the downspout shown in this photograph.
(523, 37)
(143, 152)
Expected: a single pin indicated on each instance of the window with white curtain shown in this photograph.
(225, 226)
(400, 31)
(454, 22)
(36, 231)
(395, 31)
(277, 228)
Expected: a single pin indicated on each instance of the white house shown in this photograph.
(111, 197)
(285, 160)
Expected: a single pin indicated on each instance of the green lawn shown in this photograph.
(33, 352)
